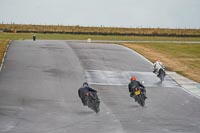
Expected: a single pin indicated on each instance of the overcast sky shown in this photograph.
(116, 13)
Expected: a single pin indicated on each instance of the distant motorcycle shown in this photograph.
(34, 37)
(139, 96)
(161, 74)
(93, 101)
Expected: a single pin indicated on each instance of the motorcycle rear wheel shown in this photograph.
(161, 75)
(141, 100)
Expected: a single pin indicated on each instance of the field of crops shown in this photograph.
(19, 28)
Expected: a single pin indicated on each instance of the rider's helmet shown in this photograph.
(85, 84)
(133, 78)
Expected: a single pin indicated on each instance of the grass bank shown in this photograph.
(40, 36)
(181, 58)
(3, 46)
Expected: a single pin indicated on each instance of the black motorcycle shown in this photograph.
(161, 74)
(93, 101)
(139, 96)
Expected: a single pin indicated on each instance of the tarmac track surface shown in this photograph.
(40, 79)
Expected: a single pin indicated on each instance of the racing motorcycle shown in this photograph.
(93, 101)
(139, 96)
(161, 74)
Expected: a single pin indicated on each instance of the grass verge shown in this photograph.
(181, 58)
(40, 36)
(3, 46)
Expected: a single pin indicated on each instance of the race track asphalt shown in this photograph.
(40, 79)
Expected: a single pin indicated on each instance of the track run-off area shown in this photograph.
(39, 85)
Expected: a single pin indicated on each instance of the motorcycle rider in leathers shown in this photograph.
(133, 84)
(157, 66)
(83, 91)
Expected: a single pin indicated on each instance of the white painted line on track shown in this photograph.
(193, 93)
(186, 84)
(176, 42)
(138, 54)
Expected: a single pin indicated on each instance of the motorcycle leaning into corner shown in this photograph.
(139, 96)
(92, 101)
(161, 74)
(137, 91)
(89, 97)
(159, 70)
